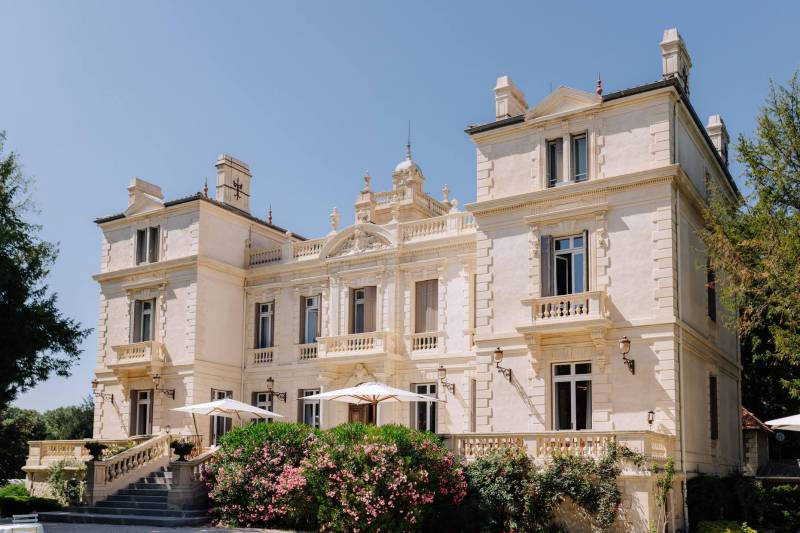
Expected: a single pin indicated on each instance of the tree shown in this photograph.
(17, 428)
(37, 339)
(73, 422)
(754, 247)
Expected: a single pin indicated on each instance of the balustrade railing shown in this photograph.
(137, 353)
(453, 223)
(42, 453)
(265, 257)
(569, 306)
(306, 248)
(425, 342)
(307, 351)
(261, 356)
(355, 343)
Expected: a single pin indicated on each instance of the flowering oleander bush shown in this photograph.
(387, 478)
(255, 479)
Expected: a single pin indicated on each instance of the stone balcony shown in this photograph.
(656, 447)
(583, 311)
(260, 357)
(137, 356)
(357, 346)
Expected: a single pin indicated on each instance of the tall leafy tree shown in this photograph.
(16, 429)
(38, 340)
(754, 247)
(71, 422)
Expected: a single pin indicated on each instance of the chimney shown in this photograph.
(674, 58)
(508, 99)
(141, 193)
(719, 135)
(233, 182)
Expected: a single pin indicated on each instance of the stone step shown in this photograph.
(148, 486)
(169, 513)
(123, 519)
(143, 492)
(138, 498)
(135, 503)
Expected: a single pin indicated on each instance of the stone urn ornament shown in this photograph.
(95, 449)
(182, 449)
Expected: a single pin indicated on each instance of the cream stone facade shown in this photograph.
(583, 232)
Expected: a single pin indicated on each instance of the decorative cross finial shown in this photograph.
(205, 189)
(445, 193)
(237, 189)
(367, 179)
(269, 217)
(335, 219)
(599, 85)
(408, 142)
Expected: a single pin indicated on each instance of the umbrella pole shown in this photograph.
(375, 413)
(195, 425)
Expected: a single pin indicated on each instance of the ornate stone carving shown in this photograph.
(360, 242)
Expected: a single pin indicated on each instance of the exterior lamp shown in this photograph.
(103, 395)
(498, 358)
(651, 417)
(167, 392)
(624, 349)
(271, 393)
(442, 371)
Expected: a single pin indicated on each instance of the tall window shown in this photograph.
(220, 424)
(141, 422)
(570, 265)
(572, 396)
(425, 412)
(362, 310)
(147, 245)
(427, 306)
(555, 161)
(309, 409)
(143, 320)
(713, 407)
(263, 400)
(309, 316)
(265, 326)
(711, 292)
(579, 158)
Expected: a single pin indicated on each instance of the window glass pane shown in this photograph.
(578, 277)
(563, 405)
(577, 242)
(311, 326)
(145, 327)
(562, 244)
(583, 404)
(358, 325)
(583, 368)
(563, 274)
(579, 157)
(562, 370)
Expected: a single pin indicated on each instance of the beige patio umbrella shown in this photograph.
(371, 393)
(226, 407)
(787, 423)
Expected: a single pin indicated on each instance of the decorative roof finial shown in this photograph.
(599, 85)
(367, 179)
(334, 220)
(408, 143)
(269, 217)
(205, 189)
(446, 193)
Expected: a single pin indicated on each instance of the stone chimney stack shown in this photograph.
(675, 60)
(719, 135)
(233, 182)
(508, 99)
(143, 193)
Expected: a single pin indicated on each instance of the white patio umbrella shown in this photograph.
(226, 407)
(787, 423)
(371, 393)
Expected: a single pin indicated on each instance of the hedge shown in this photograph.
(11, 505)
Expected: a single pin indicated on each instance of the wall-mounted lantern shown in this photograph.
(651, 417)
(442, 371)
(624, 349)
(167, 392)
(271, 393)
(103, 395)
(498, 358)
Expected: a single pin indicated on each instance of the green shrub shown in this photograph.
(782, 508)
(66, 480)
(11, 505)
(14, 489)
(721, 526)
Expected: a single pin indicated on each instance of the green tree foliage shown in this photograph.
(73, 422)
(38, 340)
(754, 246)
(16, 429)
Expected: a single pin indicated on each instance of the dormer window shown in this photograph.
(579, 158)
(147, 244)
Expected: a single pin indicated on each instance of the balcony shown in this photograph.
(428, 342)
(355, 346)
(565, 313)
(307, 351)
(438, 227)
(259, 357)
(137, 356)
(541, 446)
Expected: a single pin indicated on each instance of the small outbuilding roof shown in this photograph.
(751, 421)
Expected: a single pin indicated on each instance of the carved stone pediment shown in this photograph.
(562, 100)
(358, 239)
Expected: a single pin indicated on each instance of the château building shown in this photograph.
(569, 305)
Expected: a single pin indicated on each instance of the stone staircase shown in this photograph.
(144, 502)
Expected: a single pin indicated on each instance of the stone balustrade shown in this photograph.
(370, 343)
(137, 354)
(567, 311)
(307, 248)
(265, 257)
(261, 356)
(307, 351)
(428, 341)
(453, 223)
(540, 446)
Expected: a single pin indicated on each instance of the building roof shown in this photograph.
(660, 84)
(751, 421)
(201, 196)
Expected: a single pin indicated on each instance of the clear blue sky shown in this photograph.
(312, 94)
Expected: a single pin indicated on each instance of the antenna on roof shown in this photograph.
(599, 85)
(205, 189)
(269, 217)
(408, 143)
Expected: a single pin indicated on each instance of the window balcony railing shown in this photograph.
(137, 355)
(654, 446)
(567, 311)
(426, 342)
(355, 344)
(452, 224)
(261, 356)
(307, 351)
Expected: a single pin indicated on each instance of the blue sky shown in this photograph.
(312, 94)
